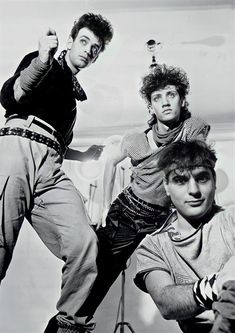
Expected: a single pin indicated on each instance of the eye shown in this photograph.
(203, 178)
(83, 41)
(95, 50)
(156, 98)
(172, 94)
(180, 180)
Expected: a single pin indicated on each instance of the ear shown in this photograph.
(149, 106)
(183, 102)
(69, 43)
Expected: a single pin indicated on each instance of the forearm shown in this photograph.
(30, 78)
(75, 155)
(108, 183)
(176, 301)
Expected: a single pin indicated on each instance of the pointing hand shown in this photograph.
(48, 45)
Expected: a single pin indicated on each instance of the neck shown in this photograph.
(73, 69)
(166, 127)
(187, 226)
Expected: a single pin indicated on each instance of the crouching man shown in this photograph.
(188, 267)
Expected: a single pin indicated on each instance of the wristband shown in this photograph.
(205, 291)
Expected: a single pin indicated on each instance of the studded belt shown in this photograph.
(25, 133)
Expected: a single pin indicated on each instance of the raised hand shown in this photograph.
(48, 45)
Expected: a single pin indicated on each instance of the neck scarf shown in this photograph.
(165, 138)
(79, 93)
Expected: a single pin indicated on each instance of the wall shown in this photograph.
(32, 286)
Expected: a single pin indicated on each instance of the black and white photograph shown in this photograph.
(117, 144)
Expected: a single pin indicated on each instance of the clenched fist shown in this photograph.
(48, 45)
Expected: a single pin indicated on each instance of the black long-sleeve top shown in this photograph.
(52, 100)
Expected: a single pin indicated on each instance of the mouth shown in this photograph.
(86, 60)
(195, 203)
(167, 111)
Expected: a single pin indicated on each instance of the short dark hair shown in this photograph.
(186, 155)
(97, 24)
(161, 76)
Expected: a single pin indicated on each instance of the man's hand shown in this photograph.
(48, 45)
(94, 152)
(226, 274)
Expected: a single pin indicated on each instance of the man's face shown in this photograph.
(83, 50)
(191, 191)
(166, 104)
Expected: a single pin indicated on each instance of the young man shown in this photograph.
(143, 206)
(185, 265)
(40, 102)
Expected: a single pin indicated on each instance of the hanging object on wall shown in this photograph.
(222, 180)
(153, 47)
(91, 198)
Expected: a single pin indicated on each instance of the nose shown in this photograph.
(88, 50)
(165, 101)
(193, 188)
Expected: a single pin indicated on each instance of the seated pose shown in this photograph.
(188, 267)
(143, 206)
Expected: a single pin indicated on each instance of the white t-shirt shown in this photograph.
(187, 260)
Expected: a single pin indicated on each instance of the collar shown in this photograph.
(78, 91)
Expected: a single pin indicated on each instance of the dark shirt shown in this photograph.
(52, 100)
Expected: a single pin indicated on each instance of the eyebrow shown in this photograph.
(167, 91)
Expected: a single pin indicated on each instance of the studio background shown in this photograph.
(195, 35)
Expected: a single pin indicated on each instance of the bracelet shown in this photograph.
(205, 291)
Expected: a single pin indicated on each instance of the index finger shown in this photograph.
(50, 32)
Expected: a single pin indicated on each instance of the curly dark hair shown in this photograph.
(161, 76)
(186, 155)
(97, 24)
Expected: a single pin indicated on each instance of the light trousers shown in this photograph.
(32, 185)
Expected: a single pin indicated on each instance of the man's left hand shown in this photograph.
(94, 152)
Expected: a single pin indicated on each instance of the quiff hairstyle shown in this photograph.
(97, 24)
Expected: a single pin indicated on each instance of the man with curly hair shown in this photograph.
(40, 102)
(188, 267)
(143, 205)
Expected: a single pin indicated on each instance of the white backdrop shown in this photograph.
(197, 35)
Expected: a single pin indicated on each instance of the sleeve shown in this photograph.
(227, 224)
(7, 92)
(149, 259)
(197, 129)
(135, 145)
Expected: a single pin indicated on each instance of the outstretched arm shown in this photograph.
(31, 76)
(92, 153)
(188, 300)
(173, 301)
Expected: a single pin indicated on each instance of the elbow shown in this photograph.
(165, 310)
(166, 315)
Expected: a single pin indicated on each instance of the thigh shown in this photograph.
(119, 234)
(60, 218)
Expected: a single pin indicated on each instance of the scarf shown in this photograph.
(165, 138)
(79, 93)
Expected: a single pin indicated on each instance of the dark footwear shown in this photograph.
(52, 326)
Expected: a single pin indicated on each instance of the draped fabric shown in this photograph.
(78, 91)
